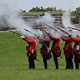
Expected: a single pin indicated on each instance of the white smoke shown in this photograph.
(49, 20)
(46, 19)
(66, 19)
(14, 20)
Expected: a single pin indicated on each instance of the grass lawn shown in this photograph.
(14, 64)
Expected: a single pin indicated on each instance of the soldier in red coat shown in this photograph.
(31, 51)
(44, 50)
(68, 52)
(55, 48)
(76, 50)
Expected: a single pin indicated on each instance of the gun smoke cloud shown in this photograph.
(66, 19)
(10, 16)
(46, 19)
(13, 20)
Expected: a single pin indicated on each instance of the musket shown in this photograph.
(46, 32)
(46, 46)
(16, 33)
(43, 30)
(62, 30)
(30, 32)
(27, 30)
(37, 36)
(21, 35)
(74, 28)
(51, 27)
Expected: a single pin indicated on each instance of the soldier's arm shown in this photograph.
(53, 37)
(26, 39)
(65, 38)
(75, 39)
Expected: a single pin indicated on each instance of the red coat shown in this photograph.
(76, 46)
(68, 46)
(46, 43)
(32, 46)
(55, 45)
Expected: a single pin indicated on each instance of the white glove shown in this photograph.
(78, 47)
(32, 51)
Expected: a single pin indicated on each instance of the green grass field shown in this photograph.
(14, 64)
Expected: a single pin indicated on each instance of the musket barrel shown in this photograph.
(62, 30)
(74, 28)
(30, 32)
(51, 27)
(16, 33)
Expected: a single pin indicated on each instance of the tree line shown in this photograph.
(75, 12)
(41, 9)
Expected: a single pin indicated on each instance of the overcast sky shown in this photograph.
(28, 4)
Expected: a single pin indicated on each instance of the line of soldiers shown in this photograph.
(69, 50)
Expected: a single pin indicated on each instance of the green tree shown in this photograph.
(55, 9)
(42, 9)
(77, 11)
